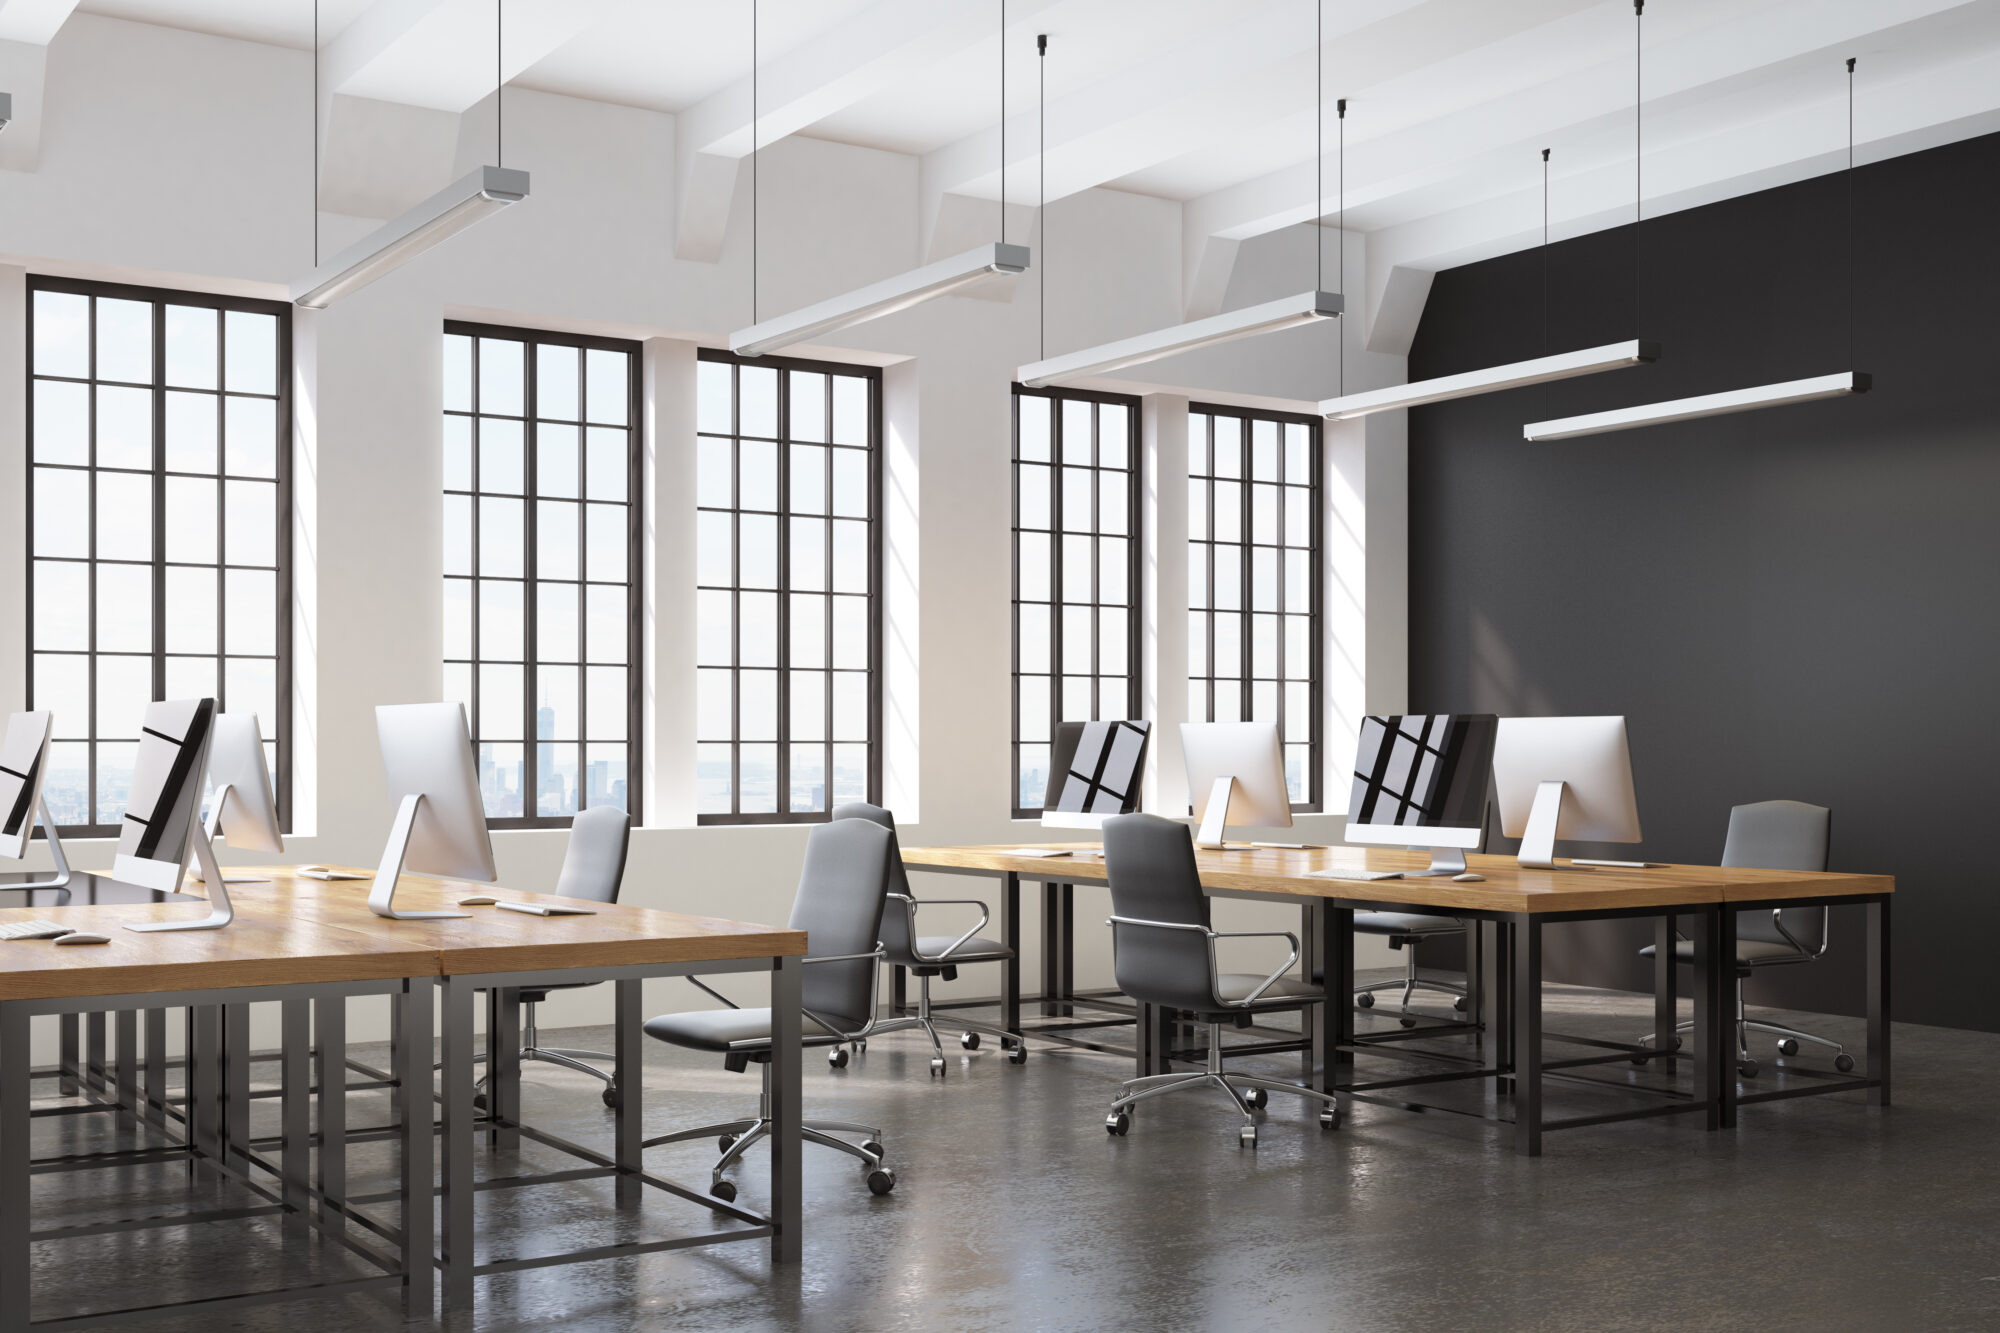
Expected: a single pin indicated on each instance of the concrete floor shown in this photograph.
(1016, 1210)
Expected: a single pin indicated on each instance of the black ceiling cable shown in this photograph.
(1003, 122)
(499, 84)
(315, 134)
(1319, 145)
(1638, 146)
(1042, 165)
(1850, 213)
(1341, 226)
(753, 162)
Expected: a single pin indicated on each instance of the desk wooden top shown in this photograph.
(295, 930)
(256, 949)
(492, 940)
(1508, 887)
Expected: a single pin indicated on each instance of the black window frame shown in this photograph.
(160, 298)
(1315, 801)
(635, 568)
(1135, 573)
(876, 546)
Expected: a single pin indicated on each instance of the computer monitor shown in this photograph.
(1235, 775)
(1095, 771)
(24, 766)
(1563, 777)
(440, 826)
(1420, 781)
(241, 805)
(164, 809)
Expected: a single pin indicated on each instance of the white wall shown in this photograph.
(216, 196)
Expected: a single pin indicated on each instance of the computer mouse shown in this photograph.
(477, 900)
(1469, 878)
(82, 937)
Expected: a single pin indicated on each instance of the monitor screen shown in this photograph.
(24, 751)
(1095, 767)
(1424, 770)
(166, 780)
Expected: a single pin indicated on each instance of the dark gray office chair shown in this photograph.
(928, 956)
(1163, 953)
(1405, 931)
(839, 906)
(593, 869)
(1773, 835)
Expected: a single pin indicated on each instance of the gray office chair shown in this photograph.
(839, 906)
(1163, 953)
(1773, 835)
(1405, 931)
(593, 868)
(928, 956)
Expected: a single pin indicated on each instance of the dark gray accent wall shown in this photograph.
(1801, 602)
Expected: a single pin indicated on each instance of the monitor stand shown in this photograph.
(382, 895)
(220, 912)
(1538, 840)
(209, 828)
(61, 878)
(1444, 861)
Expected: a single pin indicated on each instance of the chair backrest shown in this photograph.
(839, 907)
(1150, 863)
(594, 863)
(895, 917)
(1780, 835)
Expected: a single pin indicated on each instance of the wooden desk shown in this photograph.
(501, 953)
(1512, 905)
(303, 965)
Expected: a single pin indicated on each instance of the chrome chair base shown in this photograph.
(1016, 1048)
(554, 1055)
(1788, 1039)
(1410, 984)
(737, 1136)
(1132, 1091)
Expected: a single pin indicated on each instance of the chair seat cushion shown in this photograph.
(536, 994)
(1749, 953)
(1405, 923)
(978, 949)
(722, 1029)
(1235, 985)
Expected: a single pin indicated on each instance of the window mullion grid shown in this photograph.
(826, 617)
(531, 507)
(1096, 602)
(1247, 635)
(221, 503)
(157, 583)
(1315, 606)
(91, 519)
(533, 592)
(1134, 517)
(476, 722)
(1278, 610)
(1058, 529)
(1014, 578)
(782, 449)
(1208, 556)
(736, 589)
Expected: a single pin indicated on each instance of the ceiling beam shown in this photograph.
(33, 21)
(883, 45)
(26, 29)
(440, 54)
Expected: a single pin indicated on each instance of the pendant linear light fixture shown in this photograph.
(1734, 400)
(891, 294)
(481, 192)
(1270, 317)
(1493, 379)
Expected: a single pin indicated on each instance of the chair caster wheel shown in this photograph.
(1459, 1004)
(479, 1101)
(723, 1190)
(1748, 1068)
(1247, 1137)
(1257, 1098)
(870, 1146)
(1640, 1061)
(969, 1040)
(1788, 1047)
(611, 1097)
(1409, 1022)
(837, 1057)
(726, 1142)
(860, 1047)
(1118, 1123)
(1678, 1043)
(1329, 1118)
(1366, 999)
(937, 1066)
(1018, 1054)
(1844, 1063)
(881, 1180)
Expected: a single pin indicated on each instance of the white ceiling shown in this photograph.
(1212, 102)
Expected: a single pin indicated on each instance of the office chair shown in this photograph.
(839, 906)
(1772, 835)
(928, 956)
(1163, 953)
(1406, 930)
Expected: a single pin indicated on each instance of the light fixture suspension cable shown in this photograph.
(753, 163)
(315, 133)
(1042, 166)
(1851, 275)
(499, 83)
(1638, 145)
(1340, 225)
(1545, 252)
(1003, 122)
(1319, 144)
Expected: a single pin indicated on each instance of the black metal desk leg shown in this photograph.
(787, 1145)
(1475, 975)
(413, 1072)
(330, 1071)
(899, 989)
(503, 1092)
(295, 1108)
(156, 1066)
(15, 1212)
(1878, 1000)
(1066, 957)
(1714, 1022)
(1496, 942)
(126, 1026)
(1666, 1002)
(1337, 946)
(455, 998)
(236, 1081)
(93, 1059)
(68, 1059)
(1528, 1035)
(1010, 971)
(629, 1127)
(204, 1079)
(1051, 949)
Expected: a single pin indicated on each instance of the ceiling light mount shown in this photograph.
(880, 298)
(451, 210)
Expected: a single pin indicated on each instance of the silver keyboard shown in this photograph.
(33, 930)
(1359, 876)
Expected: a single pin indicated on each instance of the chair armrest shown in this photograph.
(1159, 925)
(1825, 935)
(985, 915)
(1269, 981)
(699, 984)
